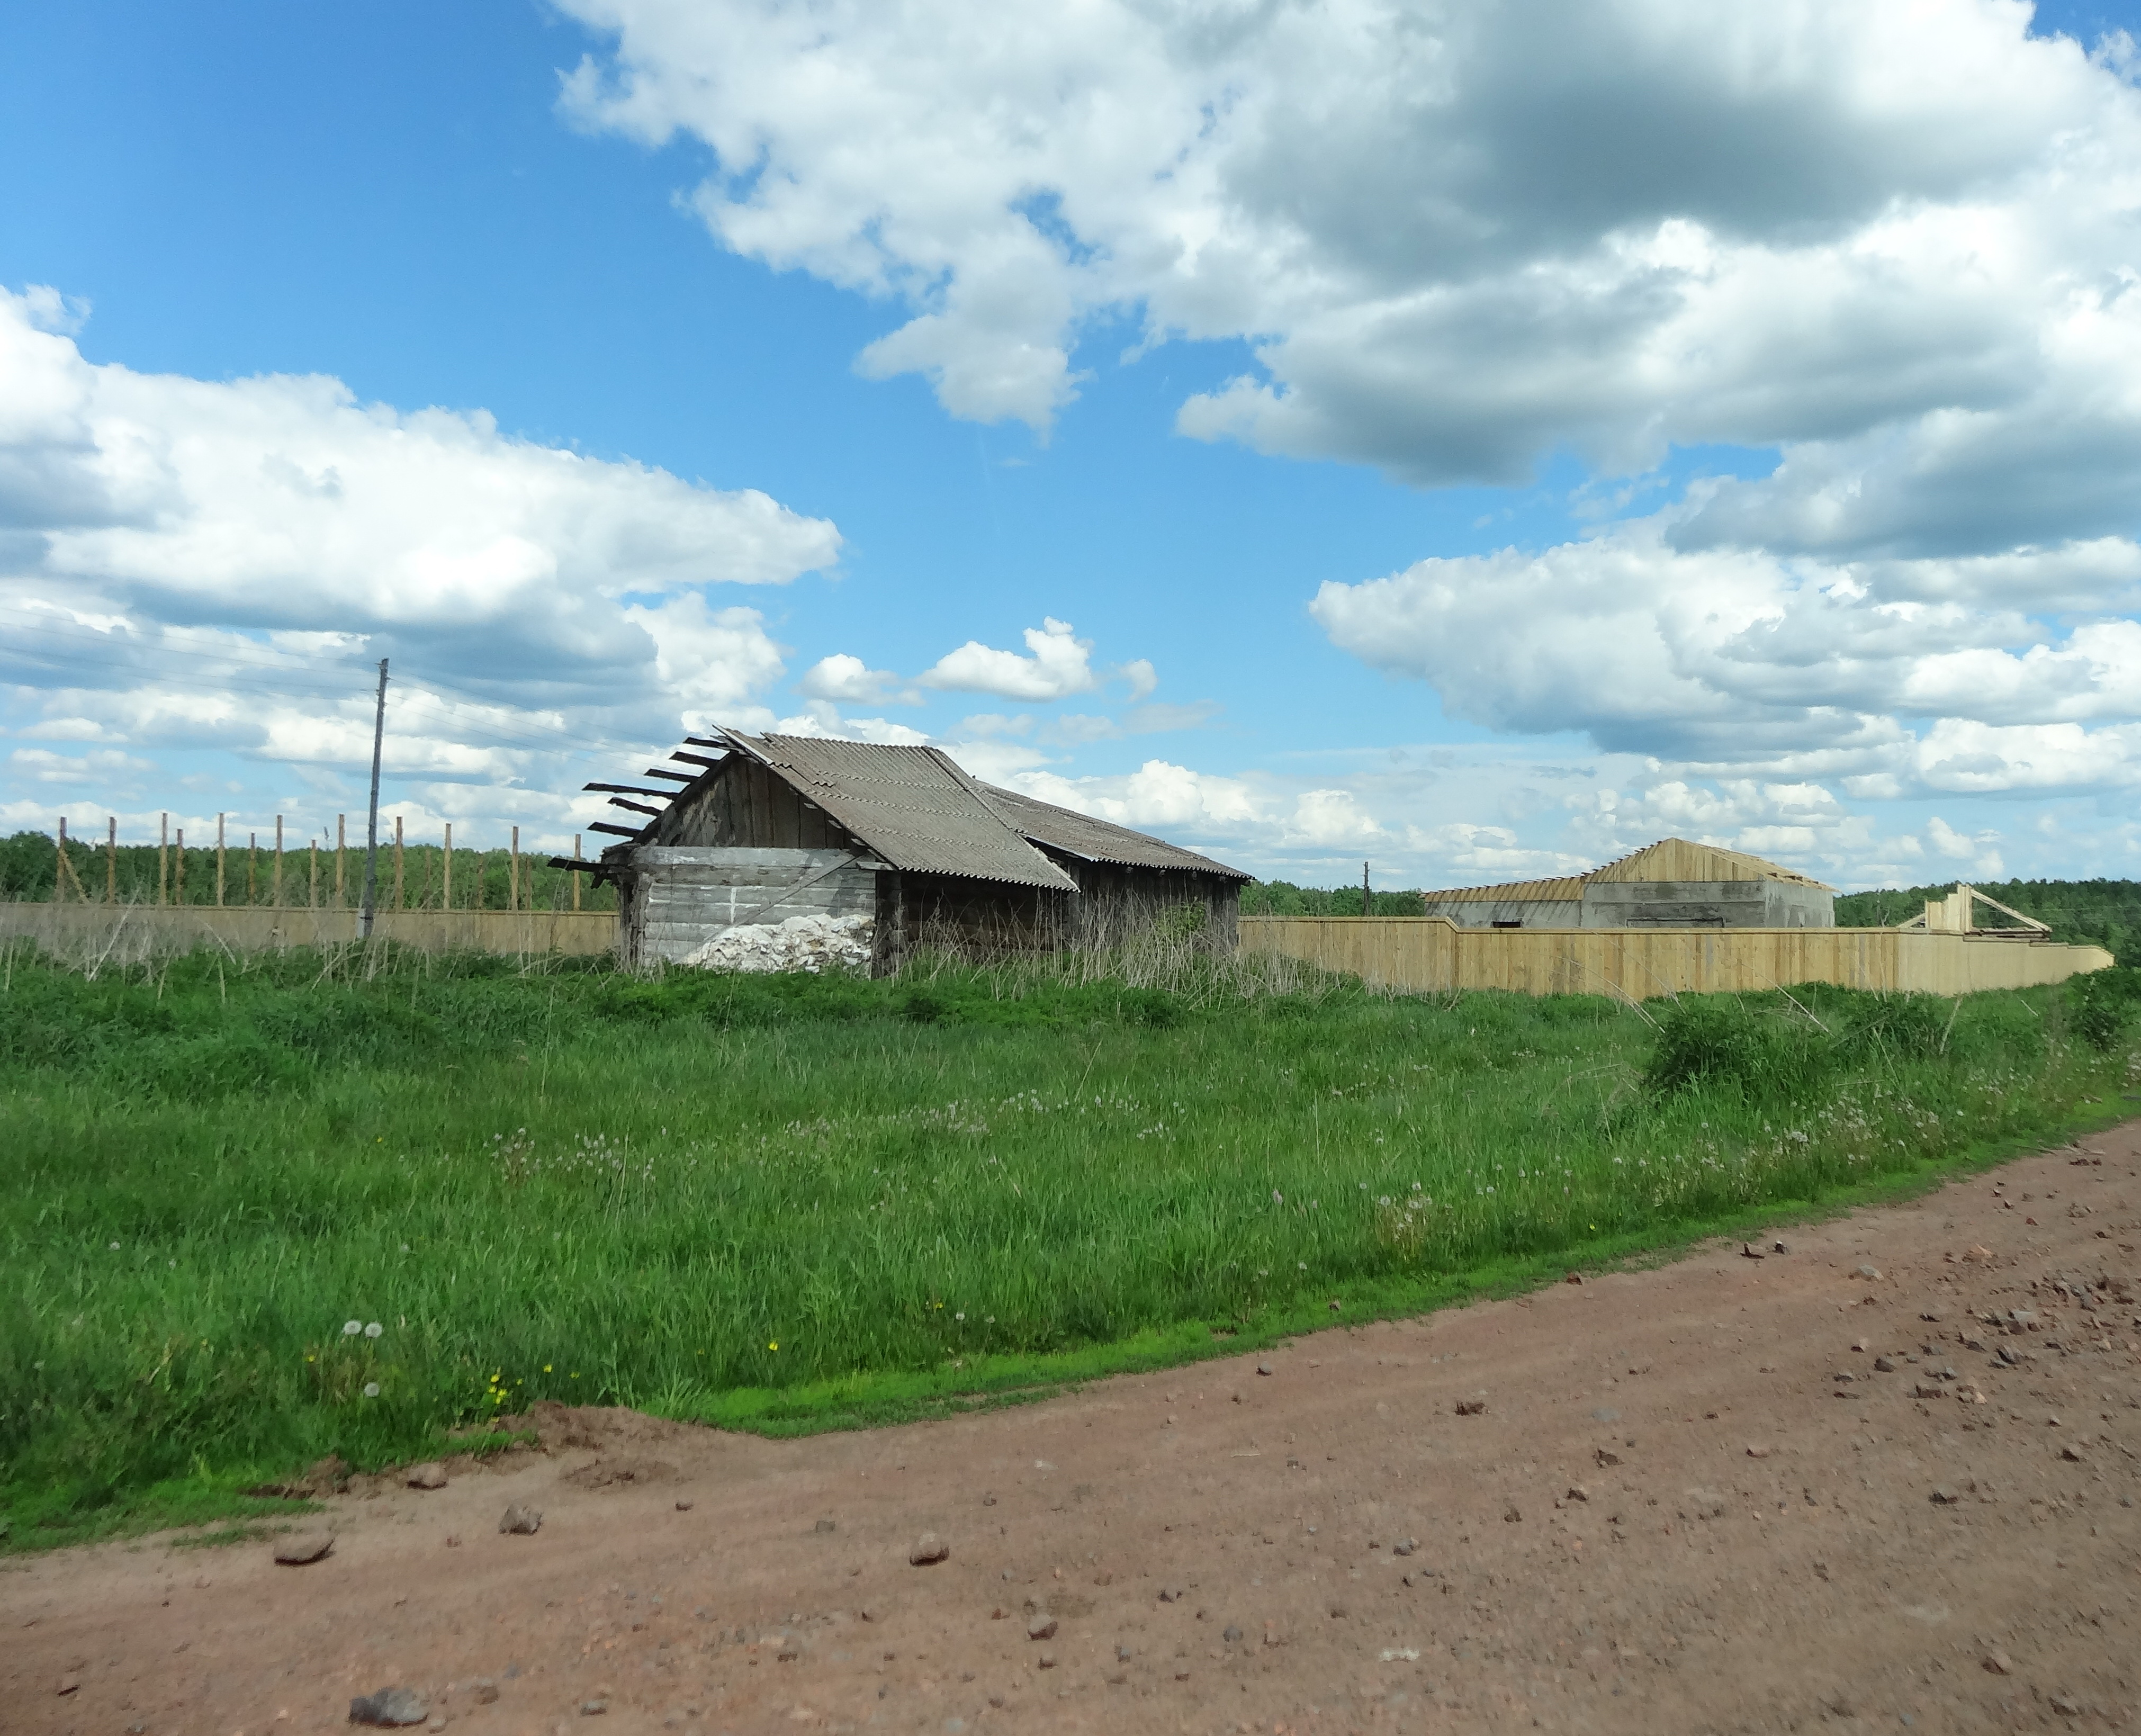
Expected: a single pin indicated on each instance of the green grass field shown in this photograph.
(787, 1203)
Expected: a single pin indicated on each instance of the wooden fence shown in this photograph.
(249, 869)
(131, 929)
(1430, 953)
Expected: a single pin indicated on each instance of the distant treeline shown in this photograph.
(2104, 913)
(145, 873)
(1283, 898)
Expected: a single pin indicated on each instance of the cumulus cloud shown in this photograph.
(318, 533)
(1933, 671)
(1458, 237)
(848, 680)
(1059, 665)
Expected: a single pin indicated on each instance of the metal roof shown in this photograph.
(912, 805)
(1097, 840)
(1668, 859)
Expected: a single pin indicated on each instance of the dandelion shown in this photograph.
(374, 1330)
(1278, 1198)
(114, 1247)
(773, 1344)
(351, 1328)
(546, 1367)
(372, 1389)
(958, 1316)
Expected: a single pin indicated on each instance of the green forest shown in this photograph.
(2103, 913)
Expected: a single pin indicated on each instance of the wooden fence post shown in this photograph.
(312, 887)
(277, 899)
(112, 858)
(178, 885)
(576, 877)
(218, 862)
(63, 871)
(341, 855)
(446, 882)
(513, 872)
(163, 859)
(397, 861)
(252, 869)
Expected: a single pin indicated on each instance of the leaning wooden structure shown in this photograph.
(745, 833)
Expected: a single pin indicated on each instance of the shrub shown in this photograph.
(1721, 1045)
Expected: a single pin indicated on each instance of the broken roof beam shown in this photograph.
(603, 825)
(675, 777)
(2027, 921)
(619, 801)
(631, 789)
(699, 759)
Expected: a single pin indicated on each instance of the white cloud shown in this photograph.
(1724, 659)
(281, 502)
(1458, 237)
(848, 680)
(1061, 664)
(319, 535)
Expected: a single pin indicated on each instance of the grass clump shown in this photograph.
(775, 1202)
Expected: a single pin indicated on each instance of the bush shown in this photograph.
(2100, 1004)
(1714, 1045)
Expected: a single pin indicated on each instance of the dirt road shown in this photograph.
(1820, 1489)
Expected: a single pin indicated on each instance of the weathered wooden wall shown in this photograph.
(741, 805)
(1116, 901)
(677, 899)
(1430, 953)
(132, 930)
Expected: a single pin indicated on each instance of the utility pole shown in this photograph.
(371, 822)
(1367, 909)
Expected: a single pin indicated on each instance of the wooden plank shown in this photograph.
(1433, 954)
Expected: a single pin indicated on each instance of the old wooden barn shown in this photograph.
(755, 830)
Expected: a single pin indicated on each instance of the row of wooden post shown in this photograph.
(173, 891)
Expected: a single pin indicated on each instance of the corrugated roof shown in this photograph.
(1568, 889)
(1097, 840)
(1668, 859)
(912, 805)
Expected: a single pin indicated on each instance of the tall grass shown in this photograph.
(569, 1182)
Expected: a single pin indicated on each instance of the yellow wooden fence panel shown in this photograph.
(1430, 953)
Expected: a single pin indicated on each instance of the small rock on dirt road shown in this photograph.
(1041, 1627)
(68, 1684)
(1471, 1407)
(520, 1521)
(301, 1548)
(429, 1475)
(389, 1707)
(928, 1549)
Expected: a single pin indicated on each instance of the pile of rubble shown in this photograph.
(801, 943)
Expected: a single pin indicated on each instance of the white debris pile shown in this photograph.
(801, 943)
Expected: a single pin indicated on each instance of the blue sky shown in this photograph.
(1482, 487)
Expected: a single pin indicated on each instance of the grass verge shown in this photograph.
(259, 1210)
